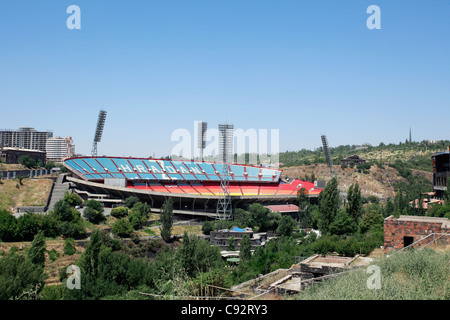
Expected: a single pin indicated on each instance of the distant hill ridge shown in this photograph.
(416, 155)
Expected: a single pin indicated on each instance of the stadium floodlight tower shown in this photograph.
(226, 136)
(201, 137)
(98, 131)
(328, 155)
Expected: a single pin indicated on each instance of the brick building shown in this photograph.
(405, 230)
(12, 155)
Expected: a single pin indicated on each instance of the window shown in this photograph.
(407, 241)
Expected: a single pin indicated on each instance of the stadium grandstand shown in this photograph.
(193, 185)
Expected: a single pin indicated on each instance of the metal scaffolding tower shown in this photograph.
(224, 207)
(98, 131)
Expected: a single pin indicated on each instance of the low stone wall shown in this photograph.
(40, 209)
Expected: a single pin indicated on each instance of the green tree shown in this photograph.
(39, 164)
(446, 195)
(49, 224)
(27, 161)
(21, 178)
(136, 220)
(139, 215)
(166, 218)
(242, 218)
(131, 201)
(245, 249)
(286, 226)
(96, 205)
(17, 275)
(371, 219)
(389, 208)
(122, 228)
(92, 215)
(90, 257)
(72, 199)
(143, 209)
(8, 226)
(197, 255)
(354, 202)
(36, 254)
(304, 207)
(70, 222)
(94, 211)
(27, 226)
(73, 229)
(400, 203)
(63, 211)
(207, 227)
(49, 165)
(328, 205)
(343, 224)
(231, 244)
(260, 216)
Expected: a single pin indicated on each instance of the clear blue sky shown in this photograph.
(304, 67)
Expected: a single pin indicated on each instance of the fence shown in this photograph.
(15, 174)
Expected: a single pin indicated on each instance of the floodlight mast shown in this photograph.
(224, 208)
(328, 155)
(99, 131)
(202, 127)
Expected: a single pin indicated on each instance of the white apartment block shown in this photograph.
(59, 148)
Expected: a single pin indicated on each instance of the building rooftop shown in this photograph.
(282, 208)
(20, 149)
(445, 221)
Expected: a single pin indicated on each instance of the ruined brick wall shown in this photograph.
(416, 228)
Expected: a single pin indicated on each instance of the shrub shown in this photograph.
(119, 212)
(69, 246)
(207, 227)
(53, 254)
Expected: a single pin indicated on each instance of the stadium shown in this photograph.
(195, 186)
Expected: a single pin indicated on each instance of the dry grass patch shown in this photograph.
(179, 230)
(33, 192)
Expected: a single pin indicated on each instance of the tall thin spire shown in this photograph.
(410, 140)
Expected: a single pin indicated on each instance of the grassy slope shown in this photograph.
(33, 192)
(411, 275)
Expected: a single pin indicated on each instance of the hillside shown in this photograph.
(32, 192)
(416, 155)
(377, 182)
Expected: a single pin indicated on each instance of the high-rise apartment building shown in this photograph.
(25, 138)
